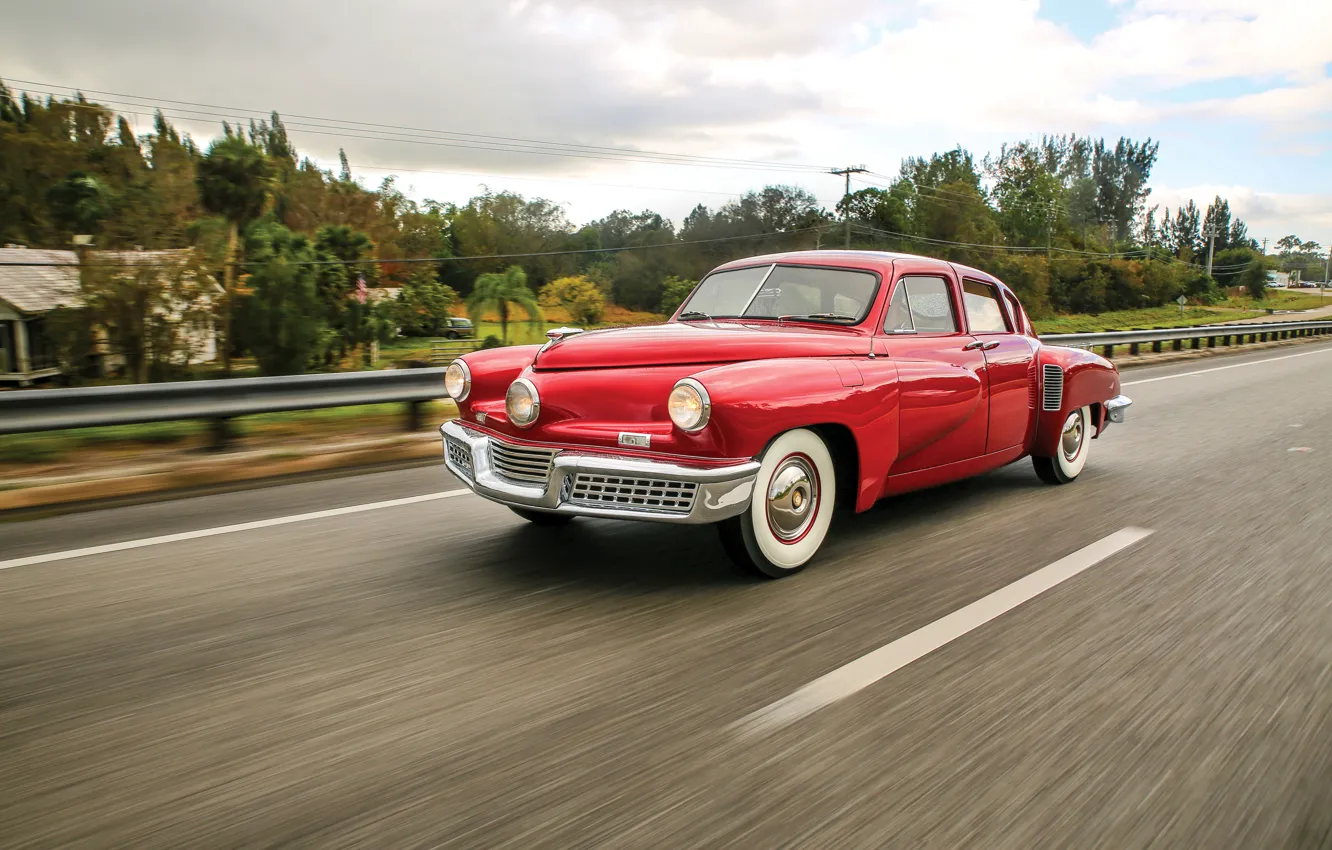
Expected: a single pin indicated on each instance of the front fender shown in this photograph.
(1088, 379)
(754, 402)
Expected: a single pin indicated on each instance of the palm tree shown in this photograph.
(234, 179)
(499, 290)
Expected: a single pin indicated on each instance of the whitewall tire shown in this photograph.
(1070, 452)
(789, 510)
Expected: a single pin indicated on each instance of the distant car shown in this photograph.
(785, 386)
(459, 329)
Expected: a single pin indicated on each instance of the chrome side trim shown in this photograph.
(1116, 409)
(717, 492)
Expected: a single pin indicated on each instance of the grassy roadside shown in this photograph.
(1171, 317)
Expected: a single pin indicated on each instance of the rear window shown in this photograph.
(981, 301)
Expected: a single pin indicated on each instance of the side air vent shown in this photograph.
(1053, 396)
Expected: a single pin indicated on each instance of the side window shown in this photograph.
(1015, 310)
(899, 312)
(931, 307)
(981, 302)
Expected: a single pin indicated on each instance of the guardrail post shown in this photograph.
(1108, 351)
(1177, 345)
(220, 434)
(414, 415)
(1196, 343)
(1211, 342)
(1156, 347)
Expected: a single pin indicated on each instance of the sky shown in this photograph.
(1238, 92)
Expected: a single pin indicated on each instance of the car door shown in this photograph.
(1009, 359)
(943, 415)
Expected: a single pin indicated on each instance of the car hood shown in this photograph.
(681, 343)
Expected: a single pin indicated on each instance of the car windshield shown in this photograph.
(797, 292)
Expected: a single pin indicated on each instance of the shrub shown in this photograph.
(491, 341)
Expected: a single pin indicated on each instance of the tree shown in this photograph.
(284, 325)
(1254, 278)
(234, 179)
(80, 202)
(152, 306)
(423, 304)
(576, 294)
(501, 291)
(673, 293)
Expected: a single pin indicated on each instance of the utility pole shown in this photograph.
(1211, 241)
(846, 201)
(1327, 267)
(1264, 246)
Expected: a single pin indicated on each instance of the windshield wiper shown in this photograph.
(693, 314)
(819, 317)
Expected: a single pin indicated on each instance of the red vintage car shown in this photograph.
(785, 386)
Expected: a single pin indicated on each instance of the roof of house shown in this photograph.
(35, 280)
(52, 282)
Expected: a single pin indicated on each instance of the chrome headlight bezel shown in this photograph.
(687, 387)
(530, 388)
(464, 373)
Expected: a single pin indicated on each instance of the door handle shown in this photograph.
(974, 345)
(989, 345)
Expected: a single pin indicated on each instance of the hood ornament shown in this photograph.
(555, 335)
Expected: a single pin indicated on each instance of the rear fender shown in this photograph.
(755, 402)
(1089, 380)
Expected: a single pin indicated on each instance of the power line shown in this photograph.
(494, 142)
(408, 260)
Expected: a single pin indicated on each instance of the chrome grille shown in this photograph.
(459, 455)
(1053, 387)
(1032, 391)
(649, 494)
(521, 463)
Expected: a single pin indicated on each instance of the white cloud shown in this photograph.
(1268, 214)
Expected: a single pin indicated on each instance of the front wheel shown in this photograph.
(789, 510)
(543, 518)
(1071, 454)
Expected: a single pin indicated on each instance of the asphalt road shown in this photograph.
(438, 674)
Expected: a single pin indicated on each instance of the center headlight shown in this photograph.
(458, 380)
(522, 403)
(689, 405)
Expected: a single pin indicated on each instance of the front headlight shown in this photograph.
(522, 403)
(458, 380)
(689, 405)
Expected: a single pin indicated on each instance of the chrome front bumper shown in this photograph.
(600, 485)
(1117, 408)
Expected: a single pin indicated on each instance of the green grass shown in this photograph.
(1152, 317)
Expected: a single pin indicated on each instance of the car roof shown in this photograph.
(878, 260)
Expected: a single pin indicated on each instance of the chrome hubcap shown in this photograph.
(1071, 442)
(793, 498)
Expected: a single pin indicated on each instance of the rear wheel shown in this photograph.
(542, 517)
(789, 510)
(1071, 453)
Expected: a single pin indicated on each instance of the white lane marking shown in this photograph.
(870, 668)
(1231, 366)
(224, 529)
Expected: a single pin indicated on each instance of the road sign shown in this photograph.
(1181, 300)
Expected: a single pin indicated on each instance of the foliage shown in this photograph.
(673, 293)
(576, 294)
(502, 292)
(423, 305)
(491, 341)
(154, 312)
(1254, 278)
(286, 327)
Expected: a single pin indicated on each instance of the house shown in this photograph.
(32, 284)
(35, 282)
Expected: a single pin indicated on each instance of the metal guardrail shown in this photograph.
(217, 401)
(1225, 335)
